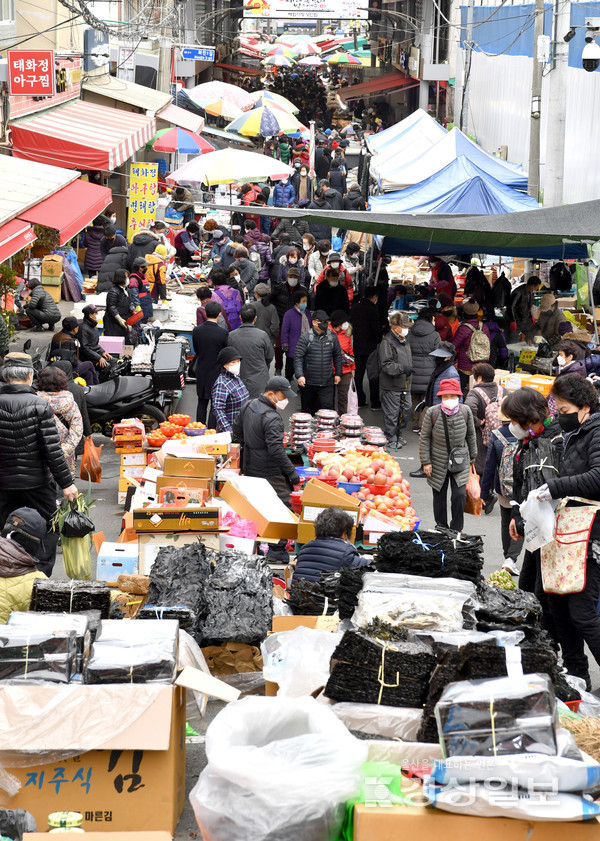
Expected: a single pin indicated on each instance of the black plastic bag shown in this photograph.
(14, 822)
(76, 524)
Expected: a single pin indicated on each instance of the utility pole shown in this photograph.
(536, 100)
(426, 51)
(464, 105)
(557, 101)
(165, 56)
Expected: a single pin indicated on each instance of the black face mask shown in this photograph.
(569, 421)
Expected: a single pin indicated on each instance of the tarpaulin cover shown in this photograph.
(460, 187)
(14, 236)
(550, 233)
(83, 135)
(380, 142)
(411, 170)
(71, 209)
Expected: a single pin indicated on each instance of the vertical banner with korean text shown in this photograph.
(143, 194)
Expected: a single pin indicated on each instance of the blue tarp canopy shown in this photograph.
(384, 140)
(451, 146)
(460, 187)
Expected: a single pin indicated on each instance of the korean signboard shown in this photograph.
(143, 195)
(66, 71)
(307, 9)
(31, 73)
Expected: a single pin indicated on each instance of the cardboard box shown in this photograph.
(172, 495)
(215, 449)
(151, 544)
(306, 531)
(135, 780)
(245, 497)
(238, 544)
(113, 344)
(320, 494)
(184, 483)
(51, 281)
(198, 467)
(52, 265)
(389, 823)
(55, 292)
(133, 472)
(155, 518)
(133, 459)
(115, 559)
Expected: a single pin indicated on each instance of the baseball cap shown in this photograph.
(280, 384)
(89, 309)
(29, 522)
(321, 315)
(139, 262)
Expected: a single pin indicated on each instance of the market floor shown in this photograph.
(107, 515)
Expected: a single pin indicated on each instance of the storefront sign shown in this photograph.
(126, 64)
(414, 63)
(66, 73)
(96, 49)
(143, 195)
(198, 53)
(306, 9)
(31, 73)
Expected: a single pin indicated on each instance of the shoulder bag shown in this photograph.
(458, 457)
(564, 559)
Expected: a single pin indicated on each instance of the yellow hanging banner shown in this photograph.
(143, 196)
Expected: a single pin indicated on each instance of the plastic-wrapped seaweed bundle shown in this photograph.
(239, 600)
(309, 598)
(500, 609)
(49, 596)
(499, 716)
(349, 586)
(49, 622)
(134, 652)
(29, 654)
(430, 554)
(178, 577)
(368, 671)
(186, 617)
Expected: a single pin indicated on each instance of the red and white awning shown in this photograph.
(70, 209)
(82, 135)
(14, 236)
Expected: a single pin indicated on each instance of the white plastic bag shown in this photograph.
(391, 722)
(279, 769)
(352, 398)
(298, 660)
(540, 522)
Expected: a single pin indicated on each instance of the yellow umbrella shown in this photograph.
(266, 121)
(270, 97)
(222, 108)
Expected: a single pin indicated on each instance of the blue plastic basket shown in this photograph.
(350, 487)
(193, 432)
(307, 472)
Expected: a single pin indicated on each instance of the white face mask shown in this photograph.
(281, 404)
(236, 276)
(450, 402)
(404, 332)
(235, 368)
(333, 282)
(306, 246)
(292, 260)
(303, 173)
(126, 281)
(345, 325)
(518, 431)
(335, 265)
(292, 281)
(560, 361)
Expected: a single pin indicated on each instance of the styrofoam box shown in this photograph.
(115, 559)
(112, 344)
(240, 544)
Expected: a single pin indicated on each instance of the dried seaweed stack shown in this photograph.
(367, 671)
(309, 598)
(239, 600)
(506, 610)
(430, 554)
(132, 652)
(349, 586)
(476, 661)
(49, 596)
(178, 578)
(186, 617)
(36, 654)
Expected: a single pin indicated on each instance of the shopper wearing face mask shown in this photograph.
(331, 294)
(423, 338)
(317, 260)
(243, 271)
(296, 321)
(259, 429)
(284, 194)
(229, 393)
(340, 325)
(256, 351)
(570, 359)
(303, 184)
(282, 297)
(291, 261)
(119, 306)
(318, 365)
(537, 459)
(395, 368)
(334, 261)
(448, 446)
(576, 614)
(90, 349)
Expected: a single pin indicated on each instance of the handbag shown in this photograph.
(458, 457)
(564, 559)
(91, 468)
(352, 398)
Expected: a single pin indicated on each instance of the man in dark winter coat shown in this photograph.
(294, 228)
(395, 368)
(142, 243)
(337, 177)
(331, 550)
(366, 335)
(111, 240)
(208, 340)
(259, 429)
(30, 452)
(89, 339)
(117, 258)
(332, 196)
(256, 351)
(320, 230)
(330, 294)
(41, 308)
(422, 338)
(354, 199)
(318, 365)
(266, 314)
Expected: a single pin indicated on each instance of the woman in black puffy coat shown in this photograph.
(331, 550)
(94, 235)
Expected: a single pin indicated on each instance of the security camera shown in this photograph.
(590, 57)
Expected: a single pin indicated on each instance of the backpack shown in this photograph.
(372, 367)
(491, 421)
(505, 470)
(479, 346)
(255, 258)
(230, 310)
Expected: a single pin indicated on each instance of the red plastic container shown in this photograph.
(295, 501)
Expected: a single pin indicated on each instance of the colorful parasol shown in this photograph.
(180, 140)
(222, 108)
(266, 121)
(278, 61)
(209, 92)
(343, 58)
(265, 97)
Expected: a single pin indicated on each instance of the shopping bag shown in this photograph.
(564, 559)
(91, 468)
(474, 503)
(539, 522)
(352, 398)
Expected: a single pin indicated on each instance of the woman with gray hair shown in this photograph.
(395, 369)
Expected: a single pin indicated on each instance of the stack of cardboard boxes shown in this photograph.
(316, 497)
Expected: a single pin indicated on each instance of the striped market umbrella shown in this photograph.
(265, 121)
(222, 108)
(209, 92)
(306, 48)
(343, 58)
(278, 61)
(311, 61)
(180, 140)
(228, 166)
(265, 97)
(279, 49)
